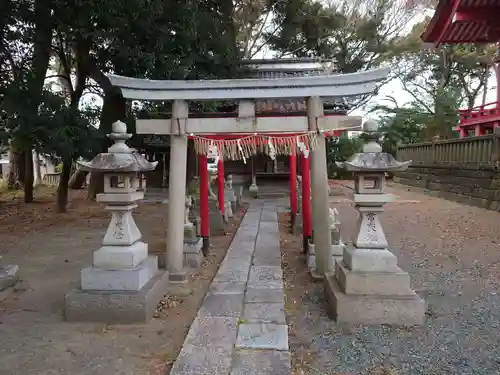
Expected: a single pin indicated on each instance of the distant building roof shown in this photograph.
(281, 68)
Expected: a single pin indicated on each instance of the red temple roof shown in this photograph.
(464, 21)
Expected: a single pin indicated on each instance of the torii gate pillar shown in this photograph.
(176, 194)
(319, 183)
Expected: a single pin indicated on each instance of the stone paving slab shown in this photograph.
(222, 305)
(231, 277)
(264, 260)
(256, 295)
(214, 332)
(264, 312)
(262, 336)
(261, 362)
(227, 288)
(205, 361)
(268, 215)
(266, 277)
(244, 307)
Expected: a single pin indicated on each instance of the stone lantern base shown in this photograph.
(372, 297)
(117, 307)
(124, 284)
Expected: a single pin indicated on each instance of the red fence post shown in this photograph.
(306, 201)
(293, 187)
(220, 185)
(205, 223)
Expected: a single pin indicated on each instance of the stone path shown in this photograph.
(241, 327)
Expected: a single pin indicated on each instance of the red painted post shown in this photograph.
(293, 187)
(205, 223)
(498, 77)
(220, 185)
(306, 201)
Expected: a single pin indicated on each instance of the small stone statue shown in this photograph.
(333, 217)
(229, 182)
(188, 205)
(211, 193)
(193, 187)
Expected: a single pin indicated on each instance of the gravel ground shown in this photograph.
(51, 249)
(453, 255)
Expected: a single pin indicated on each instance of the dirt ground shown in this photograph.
(51, 249)
(452, 252)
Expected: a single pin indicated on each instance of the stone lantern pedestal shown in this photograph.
(368, 287)
(124, 284)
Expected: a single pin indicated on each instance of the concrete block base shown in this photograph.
(372, 283)
(370, 259)
(216, 220)
(408, 310)
(132, 279)
(119, 257)
(117, 307)
(193, 256)
(179, 285)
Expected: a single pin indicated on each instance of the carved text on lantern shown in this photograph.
(119, 232)
(371, 232)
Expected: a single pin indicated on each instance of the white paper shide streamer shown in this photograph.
(302, 148)
(213, 152)
(272, 150)
(242, 148)
(241, 151)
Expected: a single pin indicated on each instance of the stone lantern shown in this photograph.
(124, 284)
(368, 287)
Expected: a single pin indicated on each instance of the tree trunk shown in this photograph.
(28, 178)
(77, 180)
(485, 89)
(62, 188)
(42, 43)
(15, 179)
(191, 162)
(38, 169)
(113, 109)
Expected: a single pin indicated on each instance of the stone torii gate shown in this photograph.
(246, 91)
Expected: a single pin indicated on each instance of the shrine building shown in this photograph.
(469, 22)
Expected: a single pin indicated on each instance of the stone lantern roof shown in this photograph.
(372, 159)
(120, 157)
